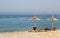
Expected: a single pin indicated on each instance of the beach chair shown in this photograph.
(34, 28)
(52, 29)
(45, 29)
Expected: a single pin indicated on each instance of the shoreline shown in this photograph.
(23, 31)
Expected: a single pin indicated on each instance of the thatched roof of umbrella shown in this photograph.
(53, 18)
(35, 18)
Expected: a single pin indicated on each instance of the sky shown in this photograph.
(29, 6)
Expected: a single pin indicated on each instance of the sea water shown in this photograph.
(21, 22)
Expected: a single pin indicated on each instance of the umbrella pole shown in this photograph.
(52, 24)
(34, 24)
(34, 27)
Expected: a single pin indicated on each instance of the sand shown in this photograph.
(26, 34)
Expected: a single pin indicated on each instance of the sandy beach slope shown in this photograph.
(25, 34)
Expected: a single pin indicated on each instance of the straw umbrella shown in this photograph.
(34, 19)
(52, 19)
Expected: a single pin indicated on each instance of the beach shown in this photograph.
(19, 27)
(26, 34)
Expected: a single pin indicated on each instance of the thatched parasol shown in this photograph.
(52, 19)
(35, 18)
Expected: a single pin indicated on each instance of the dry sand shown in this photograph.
(25, 34)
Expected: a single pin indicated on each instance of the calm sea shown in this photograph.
(22, 22)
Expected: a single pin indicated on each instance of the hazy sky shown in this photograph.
(29, 6)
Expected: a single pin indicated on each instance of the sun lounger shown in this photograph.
(34, 28)
(53, 29)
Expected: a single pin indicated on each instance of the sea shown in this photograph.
(10, 23)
